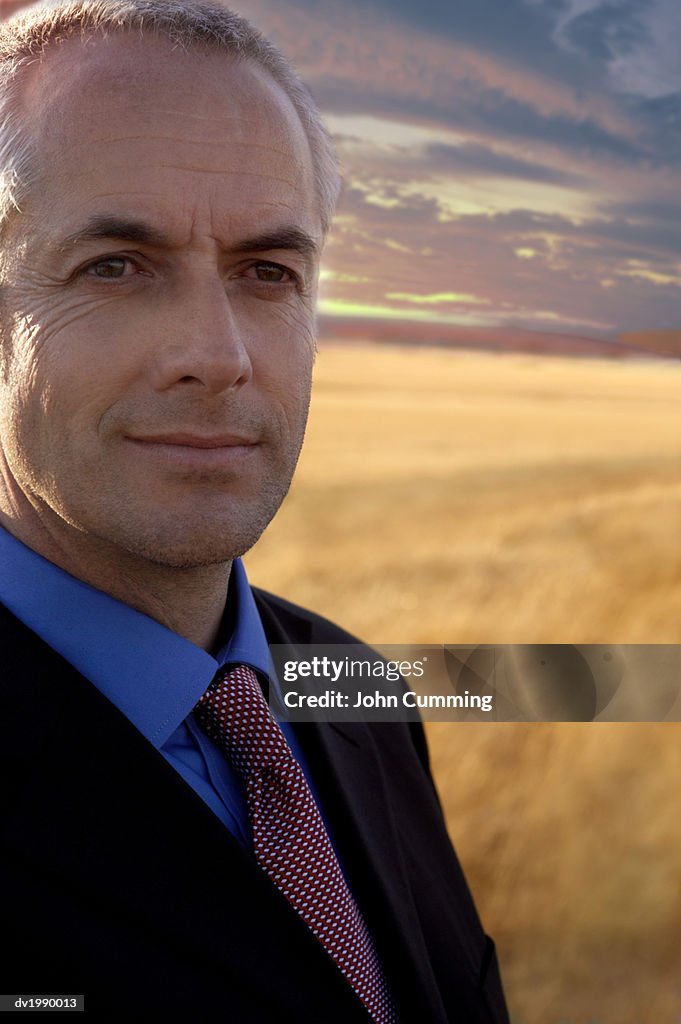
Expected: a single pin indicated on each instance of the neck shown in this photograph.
(190, 601)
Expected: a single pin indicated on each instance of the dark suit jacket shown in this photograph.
(102, 894)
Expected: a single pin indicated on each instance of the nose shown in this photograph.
(202, 345)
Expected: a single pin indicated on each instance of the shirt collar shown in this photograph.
(152, 675)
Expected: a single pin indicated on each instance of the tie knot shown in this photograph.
(233, 712)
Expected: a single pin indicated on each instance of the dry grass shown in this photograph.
(462, 498)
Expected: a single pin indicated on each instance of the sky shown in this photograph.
(506, 162)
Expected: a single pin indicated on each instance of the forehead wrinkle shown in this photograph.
(203, 143)
(229, 173)
(181, 143)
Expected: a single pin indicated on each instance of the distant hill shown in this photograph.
(663, 343)
(497, 339)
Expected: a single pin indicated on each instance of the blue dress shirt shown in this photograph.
(154, 676)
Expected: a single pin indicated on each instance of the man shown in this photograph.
(167, 190)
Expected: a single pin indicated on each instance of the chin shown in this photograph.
(194, 557)
(201, 530)
(195, 547)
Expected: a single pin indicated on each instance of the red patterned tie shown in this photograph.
(290, 840)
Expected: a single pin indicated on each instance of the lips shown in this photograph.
(182, 440)
(190, 453)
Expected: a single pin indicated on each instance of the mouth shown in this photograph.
(196, 451)
(196, 440)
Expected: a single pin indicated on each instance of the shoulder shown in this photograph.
(300, 623)
(290, 623)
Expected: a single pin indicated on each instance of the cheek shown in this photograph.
(282, 358)
(291, 344)
(25, 398)
(53, 394)
(67, 336)
(286, 381)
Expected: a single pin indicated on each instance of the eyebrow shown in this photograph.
(100, 227)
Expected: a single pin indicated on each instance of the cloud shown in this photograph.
(347, 53)
(636, 40)
(481, 161)
(579, 271)
(438, 299)
(599, 28)
(513, 30)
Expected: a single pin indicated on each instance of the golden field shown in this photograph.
(452, 497)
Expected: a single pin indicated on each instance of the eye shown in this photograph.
(111, 267)
(272, 273)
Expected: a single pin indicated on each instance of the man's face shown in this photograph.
(158, 302)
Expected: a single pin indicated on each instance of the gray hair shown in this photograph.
(188, 24)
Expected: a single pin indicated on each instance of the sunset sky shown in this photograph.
(507, 162)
